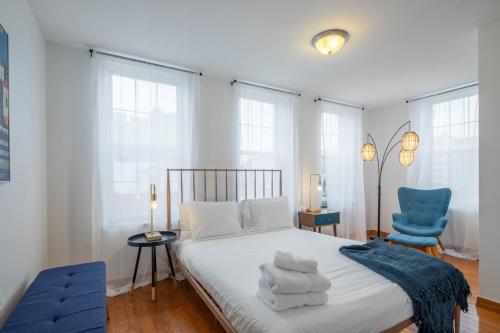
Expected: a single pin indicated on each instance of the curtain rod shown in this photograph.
(440, 92)
(147, 62)
(321, 99)
(253, 84)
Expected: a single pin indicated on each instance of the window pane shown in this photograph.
(167, 99)
(146, 96)
(441, 114)
(458, 111)
(267, 140)
(329, 133)
(267, 115)
(123, 93)
(257, 128)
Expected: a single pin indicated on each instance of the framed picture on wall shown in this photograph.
(4, 107)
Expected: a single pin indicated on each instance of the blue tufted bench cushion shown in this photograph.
(65, 299)
(411, 240)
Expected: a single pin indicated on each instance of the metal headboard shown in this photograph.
(226, 173)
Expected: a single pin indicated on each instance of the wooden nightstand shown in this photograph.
(318, 220)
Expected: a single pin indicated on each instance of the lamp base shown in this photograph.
(152, 236)
(313, 210)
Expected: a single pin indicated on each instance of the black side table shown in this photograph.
(140, 241)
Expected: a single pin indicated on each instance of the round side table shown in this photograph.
(140, 241)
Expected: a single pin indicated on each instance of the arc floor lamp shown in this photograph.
(409, 143)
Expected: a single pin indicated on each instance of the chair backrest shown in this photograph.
(423, 207)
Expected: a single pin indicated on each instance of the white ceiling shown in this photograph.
(397, 49)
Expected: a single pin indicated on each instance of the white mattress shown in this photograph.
(359, 301)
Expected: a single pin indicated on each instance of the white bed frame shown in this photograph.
(200, 290)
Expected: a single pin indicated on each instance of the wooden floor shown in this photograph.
(179, 309)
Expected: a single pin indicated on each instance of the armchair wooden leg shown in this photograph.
(435, 252)
(440, 242)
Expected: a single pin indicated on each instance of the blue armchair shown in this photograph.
(423, 212)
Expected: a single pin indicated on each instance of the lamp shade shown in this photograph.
(330, 41)
(368, 152)
(406, 157)
(410, 141)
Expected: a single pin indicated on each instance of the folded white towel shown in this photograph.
(288, 261)
(290, 282)
(281, 302)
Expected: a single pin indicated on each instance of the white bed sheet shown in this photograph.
(359, 300)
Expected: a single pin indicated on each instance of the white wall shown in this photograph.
(69, 155)
(489, 161)
(23, 237)
(381, 124)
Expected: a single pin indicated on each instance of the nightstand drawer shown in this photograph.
(327, 219)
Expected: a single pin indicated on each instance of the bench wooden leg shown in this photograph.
(440, 242)
(457, 319)
(107, 311)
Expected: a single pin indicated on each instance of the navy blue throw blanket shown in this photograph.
(434, 286)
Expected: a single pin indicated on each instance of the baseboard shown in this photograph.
(488, 304)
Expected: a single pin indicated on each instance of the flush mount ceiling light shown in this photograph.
(330, 41)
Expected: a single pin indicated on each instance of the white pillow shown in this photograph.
(261, 214)
(245, 215)
(184, 220)
(212, 219)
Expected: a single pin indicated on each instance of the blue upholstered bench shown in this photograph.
(429, 244)
(65, 299)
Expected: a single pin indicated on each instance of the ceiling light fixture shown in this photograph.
(330, 41)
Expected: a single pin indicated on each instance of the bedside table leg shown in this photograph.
(335, 230)
(153, 273)
(300, 226)
(135, 270)
(319, 228)
(172, 271)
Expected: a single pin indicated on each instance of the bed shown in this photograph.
(224, 272)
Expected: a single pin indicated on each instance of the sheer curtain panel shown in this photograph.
(146, 122)
(267, 124)
(341, 139)
(448, 126)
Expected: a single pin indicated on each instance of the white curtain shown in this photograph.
(145, 123)
(448, 127)
(267, 124)
(341, 140)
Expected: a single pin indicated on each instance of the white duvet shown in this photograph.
(228, 268)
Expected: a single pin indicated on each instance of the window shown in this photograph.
(257, 133)
(448, 156)
(267, 140)
(329, 146)
(145, 119)
(342, 169)
(144, 142)
(455, 150)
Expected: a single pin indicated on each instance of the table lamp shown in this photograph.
(153, 235)
(318, 188)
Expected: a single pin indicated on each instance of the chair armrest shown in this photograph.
(441, 222)
(398, 217)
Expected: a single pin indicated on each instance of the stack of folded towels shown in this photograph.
(292, 282)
